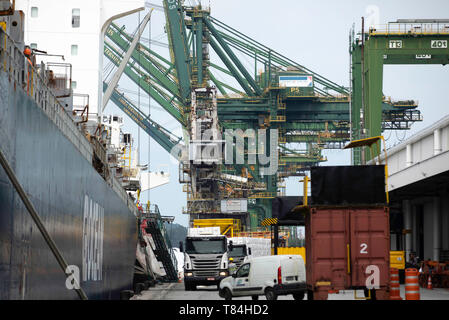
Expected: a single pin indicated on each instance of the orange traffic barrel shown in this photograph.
(395, 292)
(411, 284)
(429, 282)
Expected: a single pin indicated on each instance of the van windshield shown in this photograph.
(205, 245)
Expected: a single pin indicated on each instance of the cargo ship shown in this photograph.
(73, 168)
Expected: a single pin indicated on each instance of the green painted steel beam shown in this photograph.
(158, 60)
(145, 63)
(301, 159)
(243, 82)
(300, 110)
(116, 29)
(233, 57)
(392, 49)
(316, 126)
(179, 47)
(356, 100)
(150, 90)
(304, 138)
(215, 66)
(218, 84)
(147, 77)
(162, 136)
(224, 85)
(270, 59)
(256, 46)
(198, 22)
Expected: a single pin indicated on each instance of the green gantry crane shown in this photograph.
(304, 107)
(405, 41)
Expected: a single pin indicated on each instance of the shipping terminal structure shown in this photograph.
(245, 131)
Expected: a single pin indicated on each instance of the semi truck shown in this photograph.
(238, 252)
(205, 257)
(242, 247)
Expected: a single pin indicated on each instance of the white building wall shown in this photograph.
(425, 161)
(52, 31)
(445, 138)
(426, 147)
(397, 162)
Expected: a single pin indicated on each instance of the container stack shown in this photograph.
(347, 232)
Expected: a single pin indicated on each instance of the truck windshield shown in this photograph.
(205, 245)
(237, 252)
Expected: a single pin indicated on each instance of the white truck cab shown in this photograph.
(205, 257)
(269, 275)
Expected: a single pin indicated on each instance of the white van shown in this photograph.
(270, 276)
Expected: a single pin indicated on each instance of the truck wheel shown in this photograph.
(139, 288)
(189, 286)
(270, 294)
(126, 294)
(255, 297)
(227, 294)
(309, 294)
(298, 296)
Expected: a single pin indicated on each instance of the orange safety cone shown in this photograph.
(411, 284)
(394, 284)
(429, 282)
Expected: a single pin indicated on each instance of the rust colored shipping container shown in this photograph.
(347, 248)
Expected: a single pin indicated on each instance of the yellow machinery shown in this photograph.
(227, 226)
(397, 259)
(293, 250)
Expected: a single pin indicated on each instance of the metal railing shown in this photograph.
(411, 28)
(14, 63)
(263, 195)
(153, 212)
(27, 78)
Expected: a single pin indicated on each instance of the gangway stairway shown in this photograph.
(164, 251)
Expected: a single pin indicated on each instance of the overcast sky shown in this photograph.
(314, 34)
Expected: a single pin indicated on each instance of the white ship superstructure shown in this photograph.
(75, 29)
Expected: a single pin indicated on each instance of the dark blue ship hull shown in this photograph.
(93, 227)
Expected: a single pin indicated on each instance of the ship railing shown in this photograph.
(117, 187)
(28, 79)
(81, 108)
